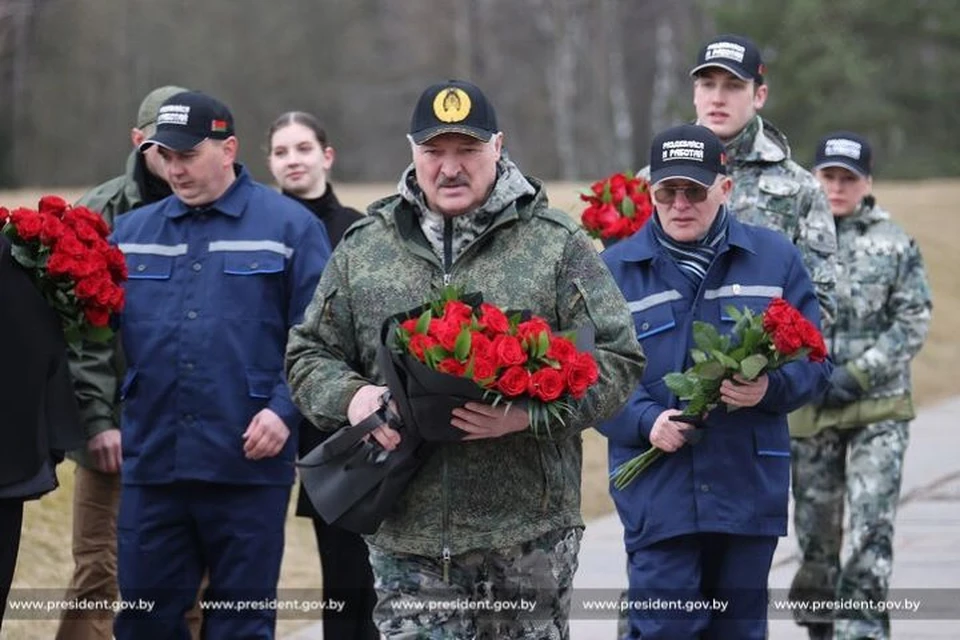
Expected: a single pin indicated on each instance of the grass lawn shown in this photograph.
(926, 209)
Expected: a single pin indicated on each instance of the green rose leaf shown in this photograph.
(682, 385)
(725, 360)
(751, 366)
(710, 370)
(423, 322)
(461, 348)
(706, 336)
(734, 313)
(698, 355)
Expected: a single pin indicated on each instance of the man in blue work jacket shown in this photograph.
(218, 273)
(701, 524)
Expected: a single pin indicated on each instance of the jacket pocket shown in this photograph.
(772, 450)
(253, 284)
(771, 441)
(149, 293)
(260, 383)
(778, 194)
(653, 321)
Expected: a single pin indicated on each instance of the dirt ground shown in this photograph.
(927, 209)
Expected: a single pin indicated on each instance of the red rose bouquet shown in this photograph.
(503, 356)
(616, 206)
(65, 251)
(758, 343)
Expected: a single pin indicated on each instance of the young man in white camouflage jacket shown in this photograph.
(769, 189)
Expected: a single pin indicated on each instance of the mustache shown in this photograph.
(456, 181)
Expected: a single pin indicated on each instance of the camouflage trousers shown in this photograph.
(862, 467)
(517, 592)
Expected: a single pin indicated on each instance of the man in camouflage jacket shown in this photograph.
(850, 446)
(497, 515)
(770, 189)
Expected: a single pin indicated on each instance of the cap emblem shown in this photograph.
(451, 105)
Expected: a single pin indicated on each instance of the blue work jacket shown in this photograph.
(211, 295)
(736, 479)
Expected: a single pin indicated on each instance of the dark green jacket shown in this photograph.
(96, 373)
(488, 493)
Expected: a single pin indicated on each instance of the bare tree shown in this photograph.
(619, 102)
(564, 22)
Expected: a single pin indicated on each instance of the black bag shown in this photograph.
(354, 483)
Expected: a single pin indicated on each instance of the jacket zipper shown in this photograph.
(447, 249)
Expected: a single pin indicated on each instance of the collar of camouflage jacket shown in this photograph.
(511, 185)
(759, 141)
(868, 213)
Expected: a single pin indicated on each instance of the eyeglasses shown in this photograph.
(694, 195)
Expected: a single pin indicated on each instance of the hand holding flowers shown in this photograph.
(508, 357)
(728, 369)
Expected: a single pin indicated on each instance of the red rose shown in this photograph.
(70, 245)
(607, 215)
(493, 319)
(410, 326)
(54, 205)
(86, 264)
(106, 292)
(59, 264)
(481, 346)
(419, 343)
(589, 218)
(4, 215)
(97, 316)
(618, 187)
(116, 263)
(484, 370)
(28, 223)
(598, 188)
(814, 340)
(513, 382)
(452, 366)
(85, 233)
(445, 332)
(89, 217)
(786, 340)
(778, 312)
(546, 384)
(87, 288)
(117, 299)
(51, 229)
(581, 374)
(561, 349)
(508, 350)
(532, 328)
(457, 312)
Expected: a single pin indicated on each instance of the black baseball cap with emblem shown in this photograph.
(689, 152)
(455, 106)
(186, 119)
(845, 149)
(737, 54)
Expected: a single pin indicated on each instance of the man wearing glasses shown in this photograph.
(769, 189)
(701, 524)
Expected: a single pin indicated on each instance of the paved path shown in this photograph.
(927, 542)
